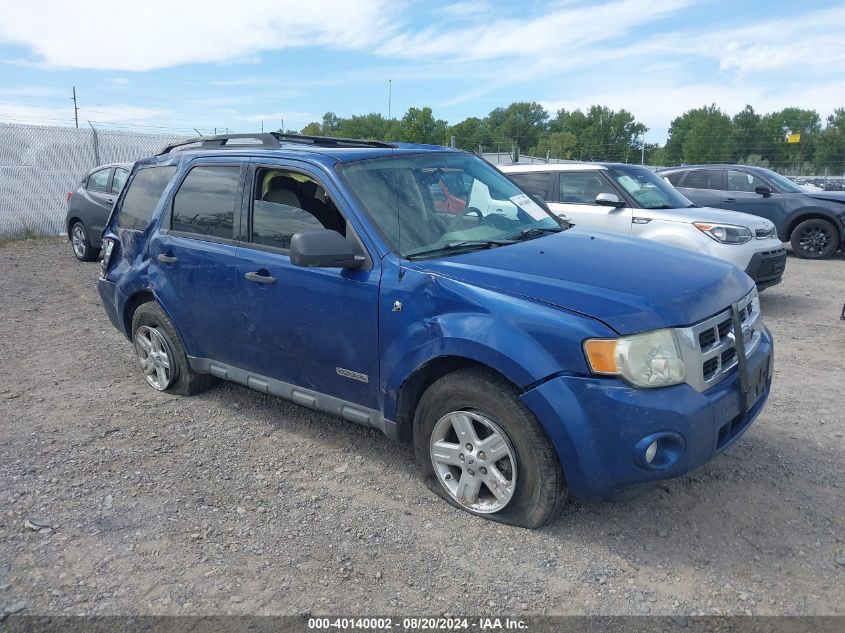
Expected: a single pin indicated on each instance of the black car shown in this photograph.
(813, 222)
(89, 206)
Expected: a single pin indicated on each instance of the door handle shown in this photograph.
(729, 200)
(260, 279)
(166, 259)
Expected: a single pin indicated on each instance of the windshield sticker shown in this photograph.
(529, 206)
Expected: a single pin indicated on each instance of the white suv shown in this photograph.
(633, 200)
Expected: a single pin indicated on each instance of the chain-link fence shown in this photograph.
(40, 164)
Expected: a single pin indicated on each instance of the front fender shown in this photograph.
(836, 216)
(523, 340)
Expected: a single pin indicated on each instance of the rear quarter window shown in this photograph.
(674, 178)
(704, 179)
(143, 195)
(537, 183)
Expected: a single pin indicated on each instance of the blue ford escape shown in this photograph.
(524, 358)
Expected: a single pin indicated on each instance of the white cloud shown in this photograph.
(162, 33)
(119, 81)
(564, 30)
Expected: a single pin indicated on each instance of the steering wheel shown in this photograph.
(460, 216)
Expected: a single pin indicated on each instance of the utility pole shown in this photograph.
(75, 109)
(262, 127)
(389, 97)
(642, 149)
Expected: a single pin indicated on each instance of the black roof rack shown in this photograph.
(271, 140)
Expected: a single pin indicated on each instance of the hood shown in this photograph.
(632, 285)
(709, 214)
(831, 196)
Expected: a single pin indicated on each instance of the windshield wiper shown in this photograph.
(527, 234)
(474, 244)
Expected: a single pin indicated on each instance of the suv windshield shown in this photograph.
(437, 202)
(648, 189)
(784, 185)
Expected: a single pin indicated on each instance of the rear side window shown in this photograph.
(582, 187)
(142, 197)
(205, 203)
(99, 181)
(674, 178)
(704, 179)
(120, 176)
(537, 183)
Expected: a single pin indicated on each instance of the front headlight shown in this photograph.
(652, 359)
(725, 233)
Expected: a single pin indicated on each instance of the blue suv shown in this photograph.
(524, 358)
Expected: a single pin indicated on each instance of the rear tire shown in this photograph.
(161, 355)
(814, 239)
(523, 467)
(80, 243)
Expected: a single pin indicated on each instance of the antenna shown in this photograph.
(389, 97)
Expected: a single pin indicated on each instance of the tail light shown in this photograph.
(69, 194)
(108, 249)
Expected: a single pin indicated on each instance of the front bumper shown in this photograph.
(766, 267)
(599, 425)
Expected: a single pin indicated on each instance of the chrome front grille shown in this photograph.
(709, 347)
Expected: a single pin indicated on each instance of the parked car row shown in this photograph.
(420, 291)
(814, 223)
(633, 200)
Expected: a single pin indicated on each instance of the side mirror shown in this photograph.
(608, 200)
(322, 249)
(763, 190)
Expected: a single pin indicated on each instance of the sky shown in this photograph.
(161, 65)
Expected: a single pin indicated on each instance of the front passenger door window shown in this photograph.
(578, 191)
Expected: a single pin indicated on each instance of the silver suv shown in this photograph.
(633, 200)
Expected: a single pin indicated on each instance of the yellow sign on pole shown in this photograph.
(793, 138)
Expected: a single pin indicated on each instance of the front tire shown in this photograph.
(482, 450)
(814, 239)
(161, 355)
(80, 243)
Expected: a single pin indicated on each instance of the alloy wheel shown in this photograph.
(815, 239)
(154, 356)
(474, 461)
(78, 240)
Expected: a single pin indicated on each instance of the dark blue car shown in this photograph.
(813, 222)
(525, 359)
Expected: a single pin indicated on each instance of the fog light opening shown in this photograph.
(650, 452)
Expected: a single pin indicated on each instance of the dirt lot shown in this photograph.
(235, 502)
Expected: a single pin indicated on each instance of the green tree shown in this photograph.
(702, 135)
(312, 129)
(557, 145)
(520, 123)
(330, 124)
(601, 133)
(368, 126)
(830, 148)
(420, 126)
(747, 132)
(470, 133)
(777, 125)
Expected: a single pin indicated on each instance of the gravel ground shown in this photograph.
(236, 502)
